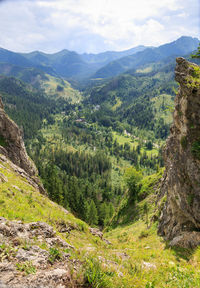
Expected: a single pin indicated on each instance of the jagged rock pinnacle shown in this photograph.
(180, 218)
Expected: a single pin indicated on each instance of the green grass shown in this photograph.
(94, 274)
(54, 255)
(128, 211)
(193, 81)
(168, 268)
(30, 206)
(145, 70)
(134, 142)
(26, 267)
(119, 265)
(117, 105)
(56, 87)
(163, 105)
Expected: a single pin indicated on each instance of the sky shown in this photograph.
(95, 26)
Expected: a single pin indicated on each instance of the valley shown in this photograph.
(96, 125)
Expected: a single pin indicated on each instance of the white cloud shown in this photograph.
(94, 25)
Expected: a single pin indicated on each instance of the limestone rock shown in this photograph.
(14, 143)
(22, 240)
(181, 183)
(3, 178)
(14, 149)
(96, 232)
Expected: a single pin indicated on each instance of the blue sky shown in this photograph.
(95, 25)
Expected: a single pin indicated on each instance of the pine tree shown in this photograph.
(197, 55)
(103, 214)
(86, 211)
(92, 214)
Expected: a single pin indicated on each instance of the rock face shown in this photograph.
(12, 147)
(180, 218)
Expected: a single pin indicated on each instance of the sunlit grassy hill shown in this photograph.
(135, 257)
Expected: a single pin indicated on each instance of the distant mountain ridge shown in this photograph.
(108, 56)
(65, 63)
(71, 65)
(182, 46)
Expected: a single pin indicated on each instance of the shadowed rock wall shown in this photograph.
(180, 218)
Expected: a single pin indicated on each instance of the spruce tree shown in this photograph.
(92, 214)
(197, 55)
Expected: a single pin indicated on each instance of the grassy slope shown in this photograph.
(163, 105)
(133, 142)
(21, 201)
(150, 263)
(67, 92)
(123, 262)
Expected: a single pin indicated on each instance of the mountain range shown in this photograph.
(71, 65)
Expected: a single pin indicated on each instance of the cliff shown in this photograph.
(180, 218)
(12, 147)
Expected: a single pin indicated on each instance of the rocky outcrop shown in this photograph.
(13, 143)
(12, 147)
(180, 218)
(24, 264)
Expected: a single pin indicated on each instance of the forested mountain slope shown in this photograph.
(142, 99)
(26, 105)
(180, 47)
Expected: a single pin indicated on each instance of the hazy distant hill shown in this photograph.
(70, 64)
(7, 56)
(65, 63)
(108, 56)
(74, 66)
(180, 47)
